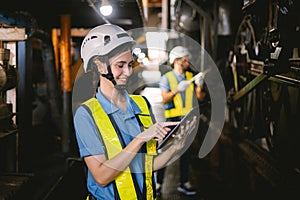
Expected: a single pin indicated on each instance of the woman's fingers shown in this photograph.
(162, 129)
(165, 124)
(158, 131)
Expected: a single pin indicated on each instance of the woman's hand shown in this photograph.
(158, 131)
(182, 134)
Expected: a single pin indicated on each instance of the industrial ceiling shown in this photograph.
(46, 13)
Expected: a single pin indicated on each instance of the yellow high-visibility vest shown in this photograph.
(124, 181)
(179, 109)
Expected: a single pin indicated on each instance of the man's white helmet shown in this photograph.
(178, 52)
(101, 40)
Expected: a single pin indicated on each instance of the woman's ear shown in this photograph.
(102, 69)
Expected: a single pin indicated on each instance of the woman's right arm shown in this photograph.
(104, 171)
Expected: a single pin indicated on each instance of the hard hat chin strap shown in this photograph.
(120, 87)
(109, 75)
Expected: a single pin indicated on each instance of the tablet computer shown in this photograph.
(167, 141)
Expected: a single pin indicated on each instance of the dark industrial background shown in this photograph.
(257, 155)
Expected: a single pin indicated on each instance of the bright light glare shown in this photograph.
(106, 10)
(141, 55)
(137, 51)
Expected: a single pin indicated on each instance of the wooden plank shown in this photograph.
(12, 34)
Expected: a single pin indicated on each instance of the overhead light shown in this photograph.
(105, 8)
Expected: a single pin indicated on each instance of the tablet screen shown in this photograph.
(174, 129)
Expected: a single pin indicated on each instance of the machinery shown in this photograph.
(264, 91)
(8, 129)
(8, 80)
(261, 72)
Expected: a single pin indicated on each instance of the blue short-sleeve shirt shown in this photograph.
(90, 142)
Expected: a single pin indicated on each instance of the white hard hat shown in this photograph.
(178, 52)
(101, 40)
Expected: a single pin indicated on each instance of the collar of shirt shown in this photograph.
(179, 77)
(110, 108)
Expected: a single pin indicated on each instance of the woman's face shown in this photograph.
(122, 67)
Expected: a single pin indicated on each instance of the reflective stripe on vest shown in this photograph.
(124, 181)
(146, 120)
(178, 109)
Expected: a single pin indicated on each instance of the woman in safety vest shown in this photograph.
(116, 132)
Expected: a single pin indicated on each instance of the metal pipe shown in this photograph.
(207, 21)
(24, 98)
(165, 13)
(65, 61)
(54, 37)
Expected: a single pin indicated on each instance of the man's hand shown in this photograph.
(183, 85)
(199, 81)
